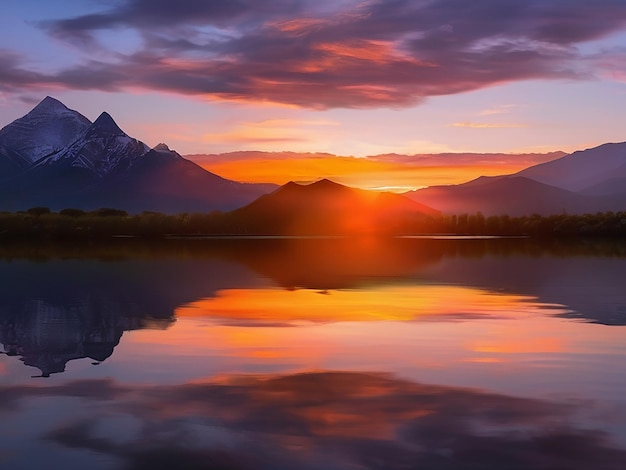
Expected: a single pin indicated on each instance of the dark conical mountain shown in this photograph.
(328, 208)
(55, 157)
(105, 125)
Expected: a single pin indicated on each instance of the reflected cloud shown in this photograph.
(333, 420)
(62, 303)
(541, 344)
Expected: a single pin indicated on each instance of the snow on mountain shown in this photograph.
(162, 148)
(102, 148)
(162, 180)
(47, 128)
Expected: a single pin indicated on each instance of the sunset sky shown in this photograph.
(346, 77)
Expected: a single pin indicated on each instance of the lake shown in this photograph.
(323, 353)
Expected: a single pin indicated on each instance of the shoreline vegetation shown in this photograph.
(41, 223)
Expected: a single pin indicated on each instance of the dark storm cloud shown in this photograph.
(359, 54)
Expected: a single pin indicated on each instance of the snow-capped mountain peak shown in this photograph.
(47, 128)
(161, 148)
(55, 157)
(49, 105)
(101, 149)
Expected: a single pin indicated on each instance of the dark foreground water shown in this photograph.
(314, 354)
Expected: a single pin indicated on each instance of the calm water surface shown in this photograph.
(314, 354)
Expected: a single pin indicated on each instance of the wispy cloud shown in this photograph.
(266, 131)
(324, 54)
(487, 125)
(500, 109)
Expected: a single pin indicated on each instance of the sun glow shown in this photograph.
(402, 172)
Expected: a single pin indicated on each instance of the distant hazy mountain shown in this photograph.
(511, 195)
(326, 207)
(56, 157)
(583, 171)
(592, 180)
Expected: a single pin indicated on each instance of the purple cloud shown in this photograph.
(329, 420)
(356, 55)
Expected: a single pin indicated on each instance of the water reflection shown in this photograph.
(255, 354)
(48, 336)
(56, 308)
(64, 302)
(330, 420)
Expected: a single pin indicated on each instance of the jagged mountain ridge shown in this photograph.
(100, 149)
(55, 157)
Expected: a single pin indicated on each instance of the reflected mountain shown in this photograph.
(335, 263)
(47, 336)
(330, 420)
(586, 277)
(55, 310)
(64, 302)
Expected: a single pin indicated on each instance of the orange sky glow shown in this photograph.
(345, 78)
(391, 172)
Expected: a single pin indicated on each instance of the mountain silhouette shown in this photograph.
(55, 157)
(514, 196)
(587, 181)
(582, 170)
(326, 207)
(162, 180)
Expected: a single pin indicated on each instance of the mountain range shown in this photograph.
(587, 181)
(55, 157)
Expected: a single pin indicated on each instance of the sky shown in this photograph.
(353, 78)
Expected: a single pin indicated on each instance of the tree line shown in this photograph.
(42, 223)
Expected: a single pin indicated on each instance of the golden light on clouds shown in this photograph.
(384, 171)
